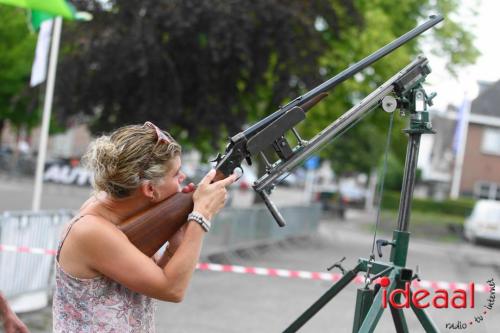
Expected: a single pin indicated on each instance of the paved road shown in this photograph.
(225, 302)
(228, 302)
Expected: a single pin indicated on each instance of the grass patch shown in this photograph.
(459, 207)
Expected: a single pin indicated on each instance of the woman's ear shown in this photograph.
(148, 190)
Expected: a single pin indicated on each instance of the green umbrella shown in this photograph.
(55, 7)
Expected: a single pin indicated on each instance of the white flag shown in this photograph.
(39, 69)
(463, 115)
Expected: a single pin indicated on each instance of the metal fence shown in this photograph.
(22, 273)
(233, 228)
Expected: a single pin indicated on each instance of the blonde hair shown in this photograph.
(122, 160)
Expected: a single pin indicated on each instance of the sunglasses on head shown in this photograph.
(162, 137)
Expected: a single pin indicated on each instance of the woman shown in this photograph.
(103, 282)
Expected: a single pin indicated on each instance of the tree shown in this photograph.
(18, 103)
(361, 148)
(205, 69)
(200, 68)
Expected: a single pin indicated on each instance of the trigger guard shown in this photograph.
(242, 172)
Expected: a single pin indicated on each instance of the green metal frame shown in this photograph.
(369, 307)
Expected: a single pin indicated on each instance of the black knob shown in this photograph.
(380, 243)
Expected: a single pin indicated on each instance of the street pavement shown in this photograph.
(229, 302)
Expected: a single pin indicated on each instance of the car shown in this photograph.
(352, 195)
(330, 199)
(484, 222)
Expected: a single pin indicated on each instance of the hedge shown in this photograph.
(459, 207)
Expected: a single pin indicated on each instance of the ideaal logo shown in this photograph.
(441, 299)
(481, 315)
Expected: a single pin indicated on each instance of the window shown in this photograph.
(491, 141)
(485, 190)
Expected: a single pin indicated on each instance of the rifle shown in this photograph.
(150, 229)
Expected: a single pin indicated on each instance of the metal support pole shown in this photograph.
(47, 108)
(408, 181)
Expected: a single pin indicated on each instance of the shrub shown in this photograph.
(459, 207)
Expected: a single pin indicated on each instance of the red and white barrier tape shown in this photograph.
(333, 277)
(25, 249)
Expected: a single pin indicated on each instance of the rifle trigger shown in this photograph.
(217, 158)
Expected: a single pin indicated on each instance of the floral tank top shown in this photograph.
(98, 304)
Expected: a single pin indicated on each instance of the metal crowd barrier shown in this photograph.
(22, 273)
(233, 228)
(236, 228)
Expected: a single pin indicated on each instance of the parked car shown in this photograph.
(484, 222)
(352, 195)
(330, 199)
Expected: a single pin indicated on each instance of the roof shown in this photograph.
(488, 101)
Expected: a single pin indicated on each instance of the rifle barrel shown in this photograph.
(345, 74)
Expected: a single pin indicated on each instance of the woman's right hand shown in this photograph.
(209, 197)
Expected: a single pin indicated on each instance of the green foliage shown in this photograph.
(394, 176)
(202, 69)
(205, 69)
(460, 207)
(383, 21)
(17, 49)
(456, 41)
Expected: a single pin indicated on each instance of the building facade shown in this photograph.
(481, 165)
(480, 174)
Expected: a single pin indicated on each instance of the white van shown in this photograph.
(484, 222)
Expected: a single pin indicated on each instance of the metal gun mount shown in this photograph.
(403, 90)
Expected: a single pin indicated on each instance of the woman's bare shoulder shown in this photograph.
(93, 228)
(85, 242)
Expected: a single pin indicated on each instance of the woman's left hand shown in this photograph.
(189, 188)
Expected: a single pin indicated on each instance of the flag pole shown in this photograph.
(47, 109)
(460, 153)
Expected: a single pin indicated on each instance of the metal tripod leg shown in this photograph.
(364, 300)
(399, 320)
(398, 315)
(323, 300)
(376, 309)
(426, 321)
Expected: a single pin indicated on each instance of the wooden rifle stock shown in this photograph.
(151, 228)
